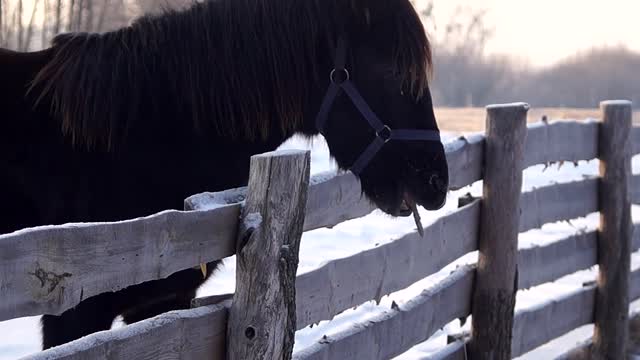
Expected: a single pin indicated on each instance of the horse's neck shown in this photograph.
(17, 70)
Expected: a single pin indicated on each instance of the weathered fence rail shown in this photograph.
(35, 264)
(186, 334)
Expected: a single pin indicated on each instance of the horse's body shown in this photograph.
(112, 127)
(45, 180)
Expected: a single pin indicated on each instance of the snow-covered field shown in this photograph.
(20, 337)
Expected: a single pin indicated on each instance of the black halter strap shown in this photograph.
(340, 80)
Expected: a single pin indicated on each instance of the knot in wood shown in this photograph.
(250, 332)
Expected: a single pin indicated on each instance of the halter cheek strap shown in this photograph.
(340, 80)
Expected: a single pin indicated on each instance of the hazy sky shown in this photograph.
(544, 31)
(541, 32)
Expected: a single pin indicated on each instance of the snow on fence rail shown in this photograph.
(156, 246)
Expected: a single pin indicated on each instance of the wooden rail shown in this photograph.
(635, 189)
(185, 334)
(391, 333)
(465, 157)
(552, 319)
(542, 205)
(635, 135)
(543, 323)
(561, 141)
(50, 269)
(153, 240)
(391, 267)
(612, 250)
(344, 283)
(560, 258)
(36, 264)
(563, 257)
(538, 325)
(582, 350)
(558, 202)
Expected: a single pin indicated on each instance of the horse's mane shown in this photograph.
(198, 60)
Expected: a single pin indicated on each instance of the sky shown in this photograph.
(542, 32)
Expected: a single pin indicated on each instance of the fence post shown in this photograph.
(262, 320)
(614, 240)
(496, 279)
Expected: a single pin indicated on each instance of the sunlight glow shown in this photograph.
(542, 32)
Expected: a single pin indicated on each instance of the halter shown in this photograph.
(383, 132)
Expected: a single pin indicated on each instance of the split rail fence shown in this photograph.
(48, 270)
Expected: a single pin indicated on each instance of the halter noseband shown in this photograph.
(383, 132)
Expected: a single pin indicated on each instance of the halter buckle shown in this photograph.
(384, 134)
(334, 72)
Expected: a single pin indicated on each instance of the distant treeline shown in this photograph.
(466, 76)
(31, 24)
(581, 81)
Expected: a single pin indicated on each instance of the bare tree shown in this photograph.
(57, 24)
(18, 23)
(1, 23)
(155, 6)
(28, 25)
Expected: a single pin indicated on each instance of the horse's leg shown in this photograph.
(91, 315)
(156, 297)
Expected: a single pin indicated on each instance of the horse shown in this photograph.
(123, 124)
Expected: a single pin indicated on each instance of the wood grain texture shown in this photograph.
(634, 334)
(635, 244)
(541, 264)
(332, 199)
(48, 270)
(457, 350)
(582, 351)
(561, 141)
(395, 331)
(198, 334)
(210, 300)
(538, 325)
(635, 189)
(335, 199)
(558, 202)
(262, 319)
(544, 323)
(465, 159)
(614, 241)
(344, 283)
(496, 280)
(635, 133)
(634, 287)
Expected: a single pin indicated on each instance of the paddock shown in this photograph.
(48, 270)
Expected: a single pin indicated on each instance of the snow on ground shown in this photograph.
(22, 336)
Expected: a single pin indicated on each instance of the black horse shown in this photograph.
(105, 127)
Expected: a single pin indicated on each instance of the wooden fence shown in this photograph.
(51, 269)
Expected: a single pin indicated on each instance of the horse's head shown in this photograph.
(377, 114)
(256, 71)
